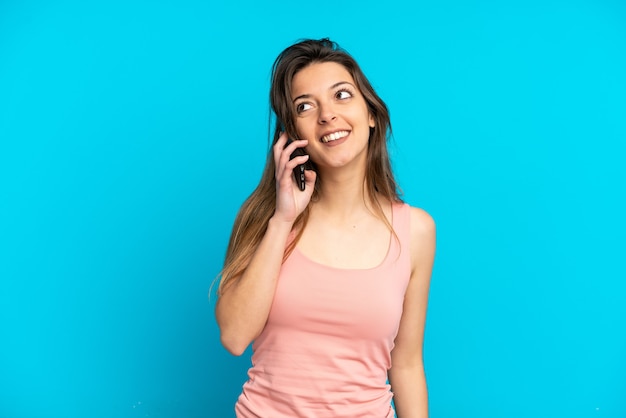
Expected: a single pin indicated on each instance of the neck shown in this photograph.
(343, 193)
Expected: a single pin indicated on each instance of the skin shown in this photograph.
(342, 230)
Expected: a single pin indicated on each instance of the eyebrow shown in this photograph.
(334, 86)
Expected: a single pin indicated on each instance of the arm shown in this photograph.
(406, 376)
(244, 305)
(242, 309)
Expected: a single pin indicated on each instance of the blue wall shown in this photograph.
(124, 127)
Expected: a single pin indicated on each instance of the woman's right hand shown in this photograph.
(290, 200)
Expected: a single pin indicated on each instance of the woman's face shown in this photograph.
(332, 115)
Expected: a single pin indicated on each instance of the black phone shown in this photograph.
(298, 171)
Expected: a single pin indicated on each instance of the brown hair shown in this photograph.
(253, 217)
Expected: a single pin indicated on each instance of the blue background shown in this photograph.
(130, 133)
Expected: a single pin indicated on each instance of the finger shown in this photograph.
(285, 156)
(286, 177)
(295, 143)
(279, 146)
(291, 164)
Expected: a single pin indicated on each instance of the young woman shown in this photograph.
(329, 283)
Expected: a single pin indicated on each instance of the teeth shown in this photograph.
(334, 136)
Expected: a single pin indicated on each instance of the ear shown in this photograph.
(372, 122)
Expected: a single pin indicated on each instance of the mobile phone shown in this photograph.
(298, 171)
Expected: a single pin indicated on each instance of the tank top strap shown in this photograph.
(401, 222)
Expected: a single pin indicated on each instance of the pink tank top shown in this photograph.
(325, 350)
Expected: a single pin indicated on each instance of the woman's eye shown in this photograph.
(343, 94)
(301, 107)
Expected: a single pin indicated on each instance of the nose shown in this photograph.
(326, 114)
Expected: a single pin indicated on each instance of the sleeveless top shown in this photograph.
(326, 347)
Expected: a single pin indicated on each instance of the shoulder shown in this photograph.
(422, 224)
(423, 235)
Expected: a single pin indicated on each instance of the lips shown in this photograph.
(333, 136)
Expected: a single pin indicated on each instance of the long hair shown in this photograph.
(253, 217)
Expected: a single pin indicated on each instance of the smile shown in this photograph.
(334, 136)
